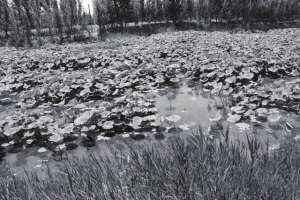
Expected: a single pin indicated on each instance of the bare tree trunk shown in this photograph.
(37, 11)
(6, 19)
(29, 22)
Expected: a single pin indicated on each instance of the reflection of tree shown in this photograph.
(209, 107)
(219, 102)
(197, 90)
(171, 96)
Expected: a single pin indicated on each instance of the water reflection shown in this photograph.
(193, 107)
(198, 108)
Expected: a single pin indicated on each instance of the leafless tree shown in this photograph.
(24, 19)
(4, 17)
(101, 17)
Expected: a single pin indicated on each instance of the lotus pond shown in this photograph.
(84, 98)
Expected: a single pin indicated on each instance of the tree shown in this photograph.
(142, 10)
(175, 8)
(58, 24)
(190, 9)
(47, 16)
(37, 15)
(17, 22)
(150, 10)
(22, 20)
(123, 10)
(69, 11)
(101, 17)
(159, 10)
(4, 17)
(216, 8)
(79, 12)
(73, 14)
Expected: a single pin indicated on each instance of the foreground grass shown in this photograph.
(184, 169)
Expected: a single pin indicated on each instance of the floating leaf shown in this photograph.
(12, 131)
(173, 118)
(102, 138)
(184, 127)
(262, 111)
(238, 109)
(138, 136)
(55, 138)
(247, 75)
(136, 122)
(61, 147)
(231, 79)
(234, 118)
(108, 125)
(175, 80)
(42, 150)
(84, 118)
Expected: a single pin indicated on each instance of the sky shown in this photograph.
(86, 3)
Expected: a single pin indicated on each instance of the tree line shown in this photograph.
(22, 21)
(25, 21)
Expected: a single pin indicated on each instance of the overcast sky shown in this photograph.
(86, 3)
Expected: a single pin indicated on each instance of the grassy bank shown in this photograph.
(183, 169)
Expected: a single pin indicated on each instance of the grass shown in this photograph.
(182, 169)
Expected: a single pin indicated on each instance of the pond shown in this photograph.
(87, 98)
(182, 111)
